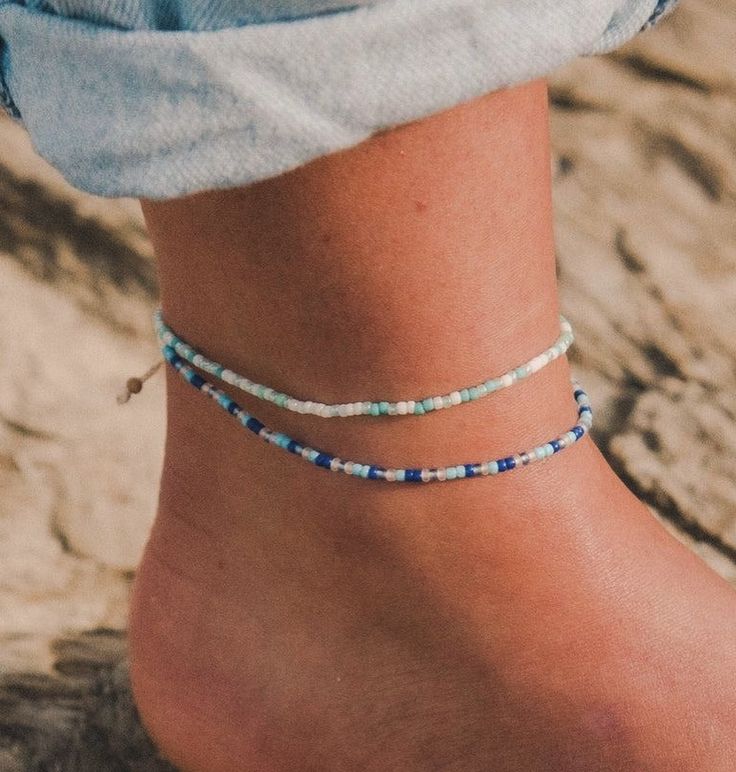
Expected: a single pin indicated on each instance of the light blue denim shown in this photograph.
(161, 98)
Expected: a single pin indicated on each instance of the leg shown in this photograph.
(285, 618)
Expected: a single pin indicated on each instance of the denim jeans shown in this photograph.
(161, 98)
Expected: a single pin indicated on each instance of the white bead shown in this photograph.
(349, 467)
(437, 402)
(455, 398)
(442, 474)
(426, 476)
(402, 408)
(391, 475)
(335, 464)
(411, 406)
(507, 379)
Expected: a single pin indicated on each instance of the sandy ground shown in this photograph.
(645, 186)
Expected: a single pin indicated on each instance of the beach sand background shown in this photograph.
(645, 193)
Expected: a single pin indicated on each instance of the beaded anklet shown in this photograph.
(371, 471)
(418, 406)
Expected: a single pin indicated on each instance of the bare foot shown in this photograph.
(541, 620)
(286, 618)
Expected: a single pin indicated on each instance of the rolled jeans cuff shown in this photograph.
(161, 113)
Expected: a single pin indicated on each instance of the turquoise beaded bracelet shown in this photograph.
(418, 406)
(369, 471)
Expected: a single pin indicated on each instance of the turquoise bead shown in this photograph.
(465, 395)
(451, 472)
(428, 404)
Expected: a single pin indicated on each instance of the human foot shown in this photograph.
(286, 618)
(541, 620)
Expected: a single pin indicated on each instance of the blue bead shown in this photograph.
(254, 425)
(373, 472)
(197, 380)
(292, 446)
(323, 460)
(578, 431)
(555, 445)
(470, 470)
(578, 393)
(233, 408)
(585, 409)
(501, 464)
(510, 462)
(413, 475)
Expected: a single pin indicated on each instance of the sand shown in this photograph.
(645, 194)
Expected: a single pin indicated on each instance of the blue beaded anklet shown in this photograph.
(418, 406)
(371, 471)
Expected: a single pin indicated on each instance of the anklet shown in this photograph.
(418, 406)
(371, 471)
